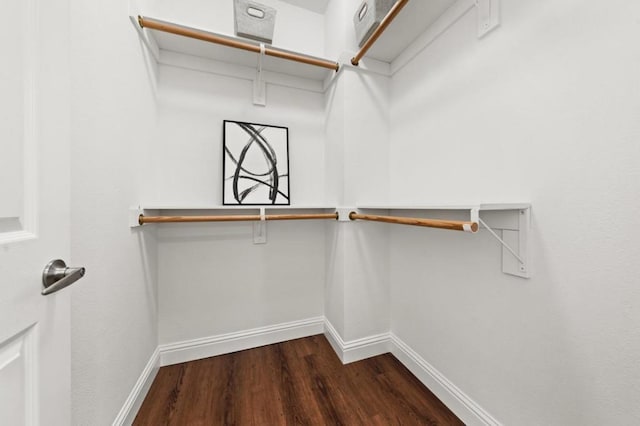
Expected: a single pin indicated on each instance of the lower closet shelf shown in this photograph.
(509, 223)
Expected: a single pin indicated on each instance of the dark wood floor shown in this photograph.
(300, 382)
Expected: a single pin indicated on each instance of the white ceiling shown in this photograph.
(318, 6)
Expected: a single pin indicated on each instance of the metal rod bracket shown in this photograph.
(260, 228)
(343, 213)
(474, 215)
(488, 16)
(134, 216)
(259, 85)
(259, 232)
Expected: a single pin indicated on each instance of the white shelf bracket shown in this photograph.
(134, 216)
(260, 229)
(515, 245)
(147, 39)
(504, 244)
(488, 16)
(474, 215)
(259, 85)
(343, 213)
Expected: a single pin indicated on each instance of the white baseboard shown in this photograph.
(191, 350)
(359, 349)
(134, 401)
(464, 407)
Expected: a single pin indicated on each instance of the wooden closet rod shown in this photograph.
(393, 12)
(168, 27)
(142, 219)
(454, 225)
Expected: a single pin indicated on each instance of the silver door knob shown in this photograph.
(57, 275)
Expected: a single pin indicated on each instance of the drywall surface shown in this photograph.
(366, 137)
(338, 27)
(187, 159)
(357, 134)
(295, 28)
(366, 171)
(334, 188)
(544, 109)
(212, 278)
(114, 307)
(367, 293)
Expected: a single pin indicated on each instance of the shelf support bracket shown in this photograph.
(515, 261)
(343, 213)
(259, 85)
(497, 237)
(260, 229)
(488, 16)
(475, 215)
(134, 216)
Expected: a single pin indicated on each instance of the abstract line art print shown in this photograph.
(255, 164)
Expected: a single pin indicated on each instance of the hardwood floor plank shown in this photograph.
(409, 392)
(161, 399)
(299, 382)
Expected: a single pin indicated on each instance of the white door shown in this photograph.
(34, 211)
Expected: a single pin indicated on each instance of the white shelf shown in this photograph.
(509, 223)
(480, 206)
(510, 220)
(223, 208)
(259, 226)
(363, 206)
(195, 210)
(414, 19)
(421, 22)
(172, 49)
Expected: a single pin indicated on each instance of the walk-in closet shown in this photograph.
(319, 212)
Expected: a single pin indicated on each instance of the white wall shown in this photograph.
(352, 295)
(334, 189)
(335, 103)
(192, 105)
(337, 29)
(366, 179)
(357, 134)
(545, 109)
(213, 279)
(114, 308)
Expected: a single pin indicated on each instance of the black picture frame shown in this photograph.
(255, 164)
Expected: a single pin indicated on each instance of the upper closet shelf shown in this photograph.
(162, 37)
(411, 25)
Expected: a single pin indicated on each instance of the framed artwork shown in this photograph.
(255, 164)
